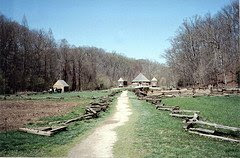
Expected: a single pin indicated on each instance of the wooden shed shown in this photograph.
(61, 85)
(120, 82)
(154, 82)
(141, 81)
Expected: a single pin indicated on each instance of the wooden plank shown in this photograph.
(34, 131)
(93, 111)
(44, 128)
(74, 119)
(57, 129)
(165, 109)
(187, 111)
(235, 129)
(216, 137)
(181, 116)
(202, 130)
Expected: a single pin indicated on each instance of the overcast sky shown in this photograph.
(135, 28)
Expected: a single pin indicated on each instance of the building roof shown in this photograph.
(61, 83)
(154, 79)
(120, 79)
(141, 78)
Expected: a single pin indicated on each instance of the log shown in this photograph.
(180, 111)
(235, 129)
(74, 119)
(44, 128)
(181, 116)
(57, 129)
(93, 111)
(97, 109)
(88, 117)
(164, 109)
(34, 131)
(202, 130)
(216, 137)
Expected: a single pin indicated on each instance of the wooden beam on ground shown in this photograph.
(216, 137)
(93, 111)
(34, 131)
(187, 111)
(181, 116)
(235, 129)
(74, 119)
(57, 129)
(202, 130)
(164, 109)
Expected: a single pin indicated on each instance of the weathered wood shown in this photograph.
(216, 137)
(88, 117)
(34, 131)
(164, 109)
(74, 119)
(202, 130)
(181, 116)
(44, 128)
(100, 104)
(187, 111)
(93, 111)
(88, 114)
(235, 129)
(57, 129)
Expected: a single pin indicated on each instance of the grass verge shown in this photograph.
(153, 133)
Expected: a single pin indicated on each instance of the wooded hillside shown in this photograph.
(32, 60)
(205, 49)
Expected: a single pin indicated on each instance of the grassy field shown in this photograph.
(14, 143)
(153, 133)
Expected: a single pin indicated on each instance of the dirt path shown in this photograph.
(101, 141)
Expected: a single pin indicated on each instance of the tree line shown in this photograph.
(205, 49)
(32, 60)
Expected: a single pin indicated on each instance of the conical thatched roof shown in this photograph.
(61, 83)
(120, 80)
(154, 79)
(141, 78)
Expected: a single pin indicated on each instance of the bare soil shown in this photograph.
(15, 114)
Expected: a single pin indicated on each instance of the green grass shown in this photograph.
(14, 143)
(219, 109)
(68, 96)
(153, 133)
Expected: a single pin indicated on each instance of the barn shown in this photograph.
(61, 85)
(141, 81)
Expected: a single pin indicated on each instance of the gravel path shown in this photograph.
(100, 143)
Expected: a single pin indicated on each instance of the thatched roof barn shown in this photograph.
(61, 85)
(141, 80)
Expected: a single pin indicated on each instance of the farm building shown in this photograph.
(61, 85)
(154, 82)
(140, 80)
(122, 82)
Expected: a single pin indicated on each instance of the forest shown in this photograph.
(32, 60)
(205, 49)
